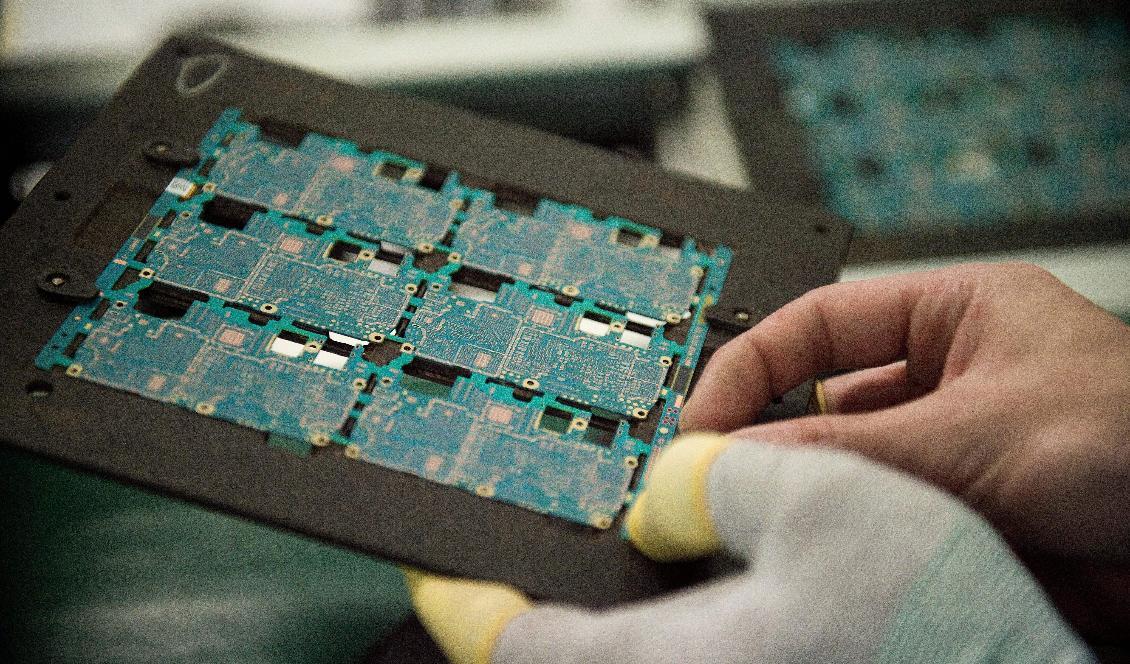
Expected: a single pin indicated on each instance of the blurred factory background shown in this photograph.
(1017, 116)
(602, 72)
(1001, 138)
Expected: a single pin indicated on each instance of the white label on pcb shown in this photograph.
(384, 267)
(391, 248)
(286, 347)
(473, 292)
(325, 358)
(593, 327)
(180, 187)
(341, 338)
(635, 339)
(643, 320)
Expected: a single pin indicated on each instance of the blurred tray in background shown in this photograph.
(934, 128)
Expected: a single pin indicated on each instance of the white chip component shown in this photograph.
(392, 248)
(180, 187)
(642, 320)
(325, 358)
(345, 339)
(384, 267)
(635, 339)
(473, 292)
(286, 347)
(593, 327)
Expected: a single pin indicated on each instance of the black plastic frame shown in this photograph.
(63, 235)
(774, 144)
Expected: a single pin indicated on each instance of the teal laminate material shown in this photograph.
(95, 571)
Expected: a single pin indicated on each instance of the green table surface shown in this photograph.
(95, 571)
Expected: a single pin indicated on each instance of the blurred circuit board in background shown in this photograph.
(1025, 118)
(937, 129)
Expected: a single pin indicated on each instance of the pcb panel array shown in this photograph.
(504, 343)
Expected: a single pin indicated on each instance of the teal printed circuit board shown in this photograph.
(516, 347)
(948, 127)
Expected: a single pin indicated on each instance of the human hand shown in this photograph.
(997, 383)
(845, 561)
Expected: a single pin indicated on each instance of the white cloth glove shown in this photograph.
(846, 562)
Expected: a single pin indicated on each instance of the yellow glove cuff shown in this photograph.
(670, 519)
(464, 617)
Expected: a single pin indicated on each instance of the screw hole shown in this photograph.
(844, 105)
(38, 389)
(57, 279)
(198, 73)
(869, 168)
(62, 195)
(820, 229)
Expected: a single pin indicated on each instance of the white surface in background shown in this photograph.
(336, 38)
(82, 28)
(700, 142)
(577, 35)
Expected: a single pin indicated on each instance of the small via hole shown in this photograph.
(38, 389)
(62, 195)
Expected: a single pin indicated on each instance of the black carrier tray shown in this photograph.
(83, 210)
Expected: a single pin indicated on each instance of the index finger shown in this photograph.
(842, 326)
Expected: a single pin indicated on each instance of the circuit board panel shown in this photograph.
(273, 262)
(512, 346)
(317, 177)
(564, 248)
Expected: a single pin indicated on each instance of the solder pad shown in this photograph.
(531, 352)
